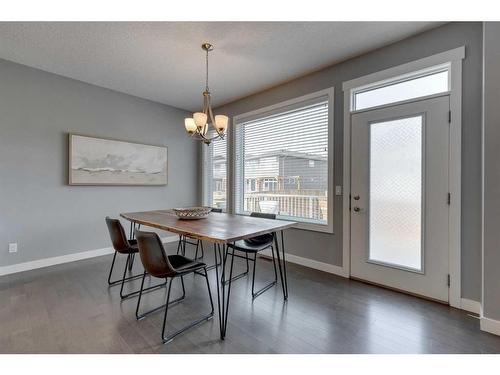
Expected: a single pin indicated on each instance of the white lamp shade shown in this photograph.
(221, 122)
(190, 125)
(200, 119)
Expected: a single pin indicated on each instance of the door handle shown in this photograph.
(356, 209)
(356, 197)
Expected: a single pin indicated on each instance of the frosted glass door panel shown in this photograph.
(395, 201)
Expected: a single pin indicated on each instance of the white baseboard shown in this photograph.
(470, 305)
(490, 325)
(321, 266)
(47, 262)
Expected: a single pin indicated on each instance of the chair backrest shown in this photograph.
(263, 215)
(152, 253)
(269, 206)
(264, 239)
(219, 210)
(117, 234)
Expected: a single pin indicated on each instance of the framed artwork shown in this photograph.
(101, 161)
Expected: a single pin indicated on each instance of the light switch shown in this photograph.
(338, 190)
(13, 247)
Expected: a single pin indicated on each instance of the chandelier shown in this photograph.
(197, 126)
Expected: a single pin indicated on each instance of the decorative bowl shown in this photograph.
(192, 213)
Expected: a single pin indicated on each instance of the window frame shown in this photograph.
(440, 68)
(282, 107)
(206, 190)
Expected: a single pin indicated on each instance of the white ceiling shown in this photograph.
(163, 61)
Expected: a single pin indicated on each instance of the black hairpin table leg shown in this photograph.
(223, 284)
(282, 270)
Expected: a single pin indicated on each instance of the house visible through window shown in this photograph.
(215, 174)
(282, 162)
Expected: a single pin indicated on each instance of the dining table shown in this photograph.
(222, 230)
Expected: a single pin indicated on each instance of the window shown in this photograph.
(215, 174)
(282, 161)
(418, 84)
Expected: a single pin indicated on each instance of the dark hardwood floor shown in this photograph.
(70, 309)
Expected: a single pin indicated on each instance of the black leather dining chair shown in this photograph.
(160, 265)
(253, 246)
(183, 240)
(127, 247)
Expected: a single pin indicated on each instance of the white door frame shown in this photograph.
(453, 57)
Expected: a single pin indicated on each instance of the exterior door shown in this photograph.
(399, 196)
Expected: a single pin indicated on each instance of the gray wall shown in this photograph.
(328, 248)
(491, 255)
(37, 208)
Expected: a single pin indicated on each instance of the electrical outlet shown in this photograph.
(338, 190)
(13, 247)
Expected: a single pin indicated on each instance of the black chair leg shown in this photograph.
(218, 262)
(119, 281)
(243, 274)
(179, 245)
(268, 286)
(170, 337)
(143, 315)
(131, 294)
(199, 244)
(131, 263)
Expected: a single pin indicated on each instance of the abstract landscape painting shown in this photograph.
(98, 161)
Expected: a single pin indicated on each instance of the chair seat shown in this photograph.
(182, 264)
(251, 246)
(132, 249)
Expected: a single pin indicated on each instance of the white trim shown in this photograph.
(346, 194)
(455, 184)
(454, 57)
(47, 262)
(470, 306)
(483, 141)
(310, 263)
(490, 325)
(401, 70)
(330, 92)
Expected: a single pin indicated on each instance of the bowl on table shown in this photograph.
(192, 213)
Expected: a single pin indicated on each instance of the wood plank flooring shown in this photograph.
(70, 309)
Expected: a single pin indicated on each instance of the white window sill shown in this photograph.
(302, 225)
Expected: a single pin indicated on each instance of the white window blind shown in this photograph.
(281, 163)
(215, 174)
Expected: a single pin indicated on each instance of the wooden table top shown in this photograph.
(217, 227)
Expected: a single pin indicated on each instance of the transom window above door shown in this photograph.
(418, 84)
(283, 159)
